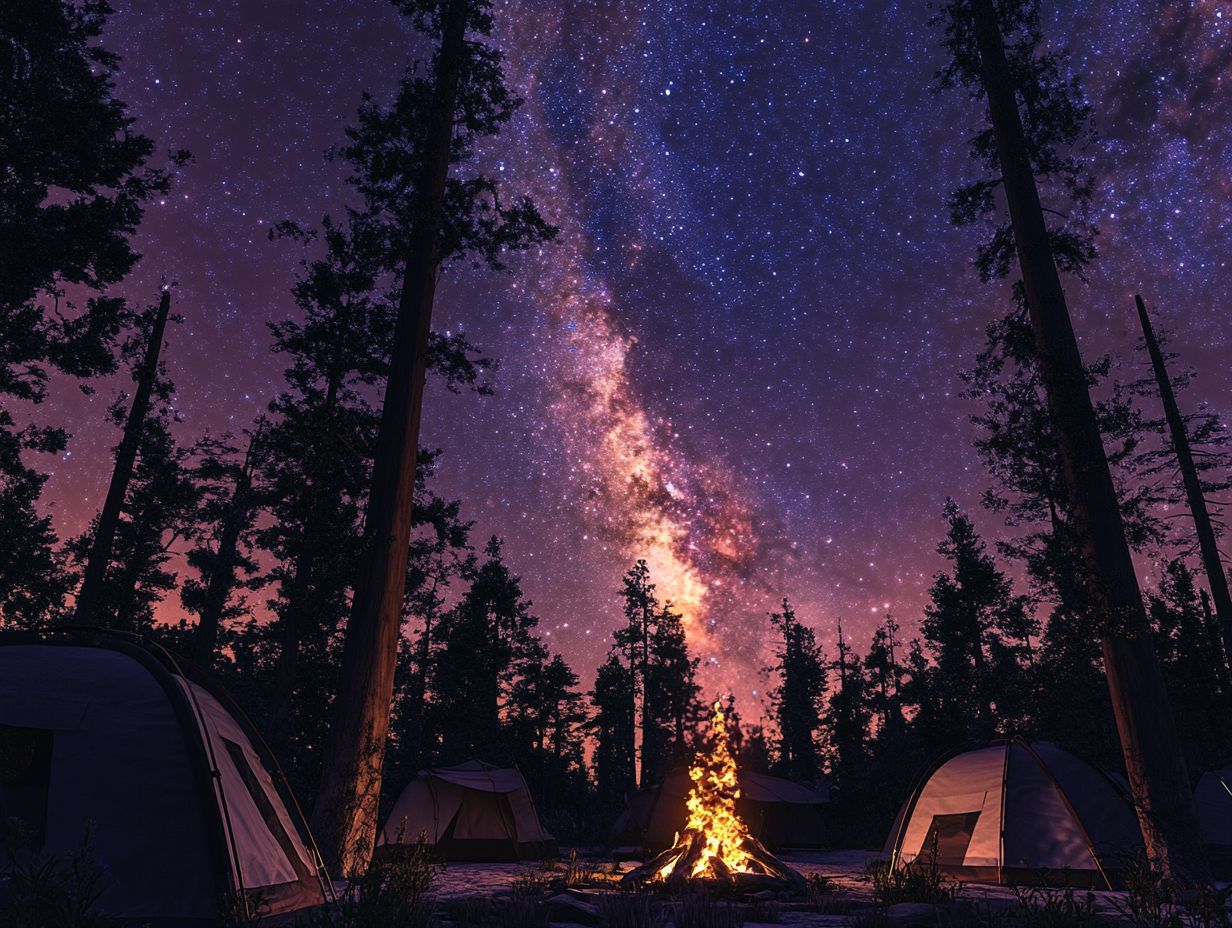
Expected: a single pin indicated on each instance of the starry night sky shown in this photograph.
(740, 358)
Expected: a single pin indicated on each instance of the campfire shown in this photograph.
(716, 844)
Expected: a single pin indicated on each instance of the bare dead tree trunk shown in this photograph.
(1149, 742)
(1216, 579)
(222, 576)
(86, 609)
(344, 818)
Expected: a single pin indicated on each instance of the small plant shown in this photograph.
(817, 885)
(1046, 907)
(968, 914)
(237, 911)
(521, 912)
(1150, 897)
(530, 884)
(871, 917)
(702, 910)
(919, 881)
(765, 911)
(390, 893)
(49, 891)
(581, 872)
(471, 912)
(1206, 907)
(630, 909)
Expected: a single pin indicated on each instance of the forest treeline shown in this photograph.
(364, 621)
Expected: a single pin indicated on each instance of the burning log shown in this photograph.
(716, 844)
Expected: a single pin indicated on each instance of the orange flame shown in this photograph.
(712, 809)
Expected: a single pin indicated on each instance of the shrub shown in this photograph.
(521, 912)
(630, 909)
(764, 911)
(531, 883)
(579, 871)
(702, 910)
(1152, 900)
(471, 912)
(390, 893)
(919, 881)
(49, 891)
(1044, 907)
(817, 885)
(872, 917)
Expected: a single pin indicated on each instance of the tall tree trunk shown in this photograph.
(86, 610)
(1216, 579)
(344, 818)
(222, 576)
(1149, 742)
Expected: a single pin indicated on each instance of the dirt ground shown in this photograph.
(844, 868)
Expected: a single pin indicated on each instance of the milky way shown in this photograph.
(740, 359)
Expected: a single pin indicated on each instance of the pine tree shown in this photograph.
(1195, 472)
(798, 700)
(614, 729)
(314, 469)
(147, 375)
(440, 556)
(672, 702)
(655, 649)
(546, 713)
(159, 509)
(1185, 630)
(317, 460)
(641, 607)
(886, 677)
(402, 158)
(222, 557)
(847, 721)
(1014, 77)
(487, 642)
(76, 179)
(978, 632)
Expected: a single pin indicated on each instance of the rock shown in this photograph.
(565, 907)
(627, 853)
(908, 914)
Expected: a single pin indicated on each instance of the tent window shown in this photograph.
(264, 806)
(948, 838)
(25, 775)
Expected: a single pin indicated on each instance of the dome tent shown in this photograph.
(779, 813)
(1017, 812)
(184, 804)
(471, 811)
(1213, 803)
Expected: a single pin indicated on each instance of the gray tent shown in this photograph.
(778, 812)
(1016, 812)
(1213, 801)
(184, 803)
(473, 811)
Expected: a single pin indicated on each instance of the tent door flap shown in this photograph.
(948, 837)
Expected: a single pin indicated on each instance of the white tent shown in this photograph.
(473, 811)
(184, 803)
(1017, 812)
(1213, 802)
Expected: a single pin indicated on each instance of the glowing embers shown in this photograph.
(715, 843)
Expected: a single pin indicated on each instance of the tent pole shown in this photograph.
(1005, 778)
